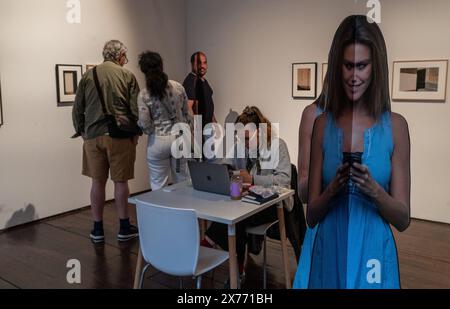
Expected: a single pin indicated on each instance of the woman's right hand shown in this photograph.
(339, 181)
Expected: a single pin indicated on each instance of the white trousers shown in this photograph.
(163, 167)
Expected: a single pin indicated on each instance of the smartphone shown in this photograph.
(352, 157)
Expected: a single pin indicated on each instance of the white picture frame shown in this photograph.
(68, 77)
(419, 81)
(304, 80)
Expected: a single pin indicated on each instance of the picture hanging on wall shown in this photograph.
(1, 106)
(420, 81)
(324, 71)
(88, 67)
(68, 77)
(304, 80)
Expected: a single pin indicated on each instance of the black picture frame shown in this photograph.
(309, 93)
(68, 77)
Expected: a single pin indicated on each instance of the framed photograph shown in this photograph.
(1, 107)
(304, 80)
(420, 81)
(68, 77)
(324, 71)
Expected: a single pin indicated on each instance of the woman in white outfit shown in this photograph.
(162, 104)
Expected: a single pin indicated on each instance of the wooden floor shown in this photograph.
(35, 256)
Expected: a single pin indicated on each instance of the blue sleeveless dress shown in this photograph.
(353, 246)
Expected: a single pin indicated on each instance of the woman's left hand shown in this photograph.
(361, 176)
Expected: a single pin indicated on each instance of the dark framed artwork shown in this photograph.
(420, 81)
(304, 80)
(68, 77)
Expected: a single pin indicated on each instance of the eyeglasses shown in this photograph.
(126, 59)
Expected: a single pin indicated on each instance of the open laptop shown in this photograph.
(209, 177)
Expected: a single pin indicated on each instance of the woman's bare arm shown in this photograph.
(394, 205)
(304, 149)
(318, 199)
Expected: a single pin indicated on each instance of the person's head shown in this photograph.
(151, 65)
(358, 68)
(199, 63)
(252, 115)
(116, 52)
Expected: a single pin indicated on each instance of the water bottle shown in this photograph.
(236, 186)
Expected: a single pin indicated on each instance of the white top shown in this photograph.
(158, 116)
(209, 206)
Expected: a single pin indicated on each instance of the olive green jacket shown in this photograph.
(120, 90)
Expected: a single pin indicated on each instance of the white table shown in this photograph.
(215, 208)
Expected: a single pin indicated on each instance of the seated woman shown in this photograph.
(257, 169)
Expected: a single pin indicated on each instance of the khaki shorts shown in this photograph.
(104, 154)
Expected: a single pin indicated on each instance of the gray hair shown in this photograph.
(113, 50)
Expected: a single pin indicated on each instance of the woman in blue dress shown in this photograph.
(352, 202)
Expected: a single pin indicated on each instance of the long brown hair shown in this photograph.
(252, 114)
(151, 65)
(320, 102)
(356, 29)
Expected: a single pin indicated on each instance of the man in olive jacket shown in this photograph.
(102, 154)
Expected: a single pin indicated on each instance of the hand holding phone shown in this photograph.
(352, 157)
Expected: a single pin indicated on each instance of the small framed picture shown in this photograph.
(324, 71)
(420, 81)
(1, 106)
(68, 77)
(88, 67)
(304, 80)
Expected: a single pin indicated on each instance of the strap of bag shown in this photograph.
(100, 94)
(99, 90)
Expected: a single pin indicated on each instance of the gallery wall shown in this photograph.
(251, 45)
(40, 166)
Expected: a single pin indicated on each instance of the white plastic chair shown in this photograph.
(170, 242)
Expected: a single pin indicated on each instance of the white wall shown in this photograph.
(40, 166)
(251, 45)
